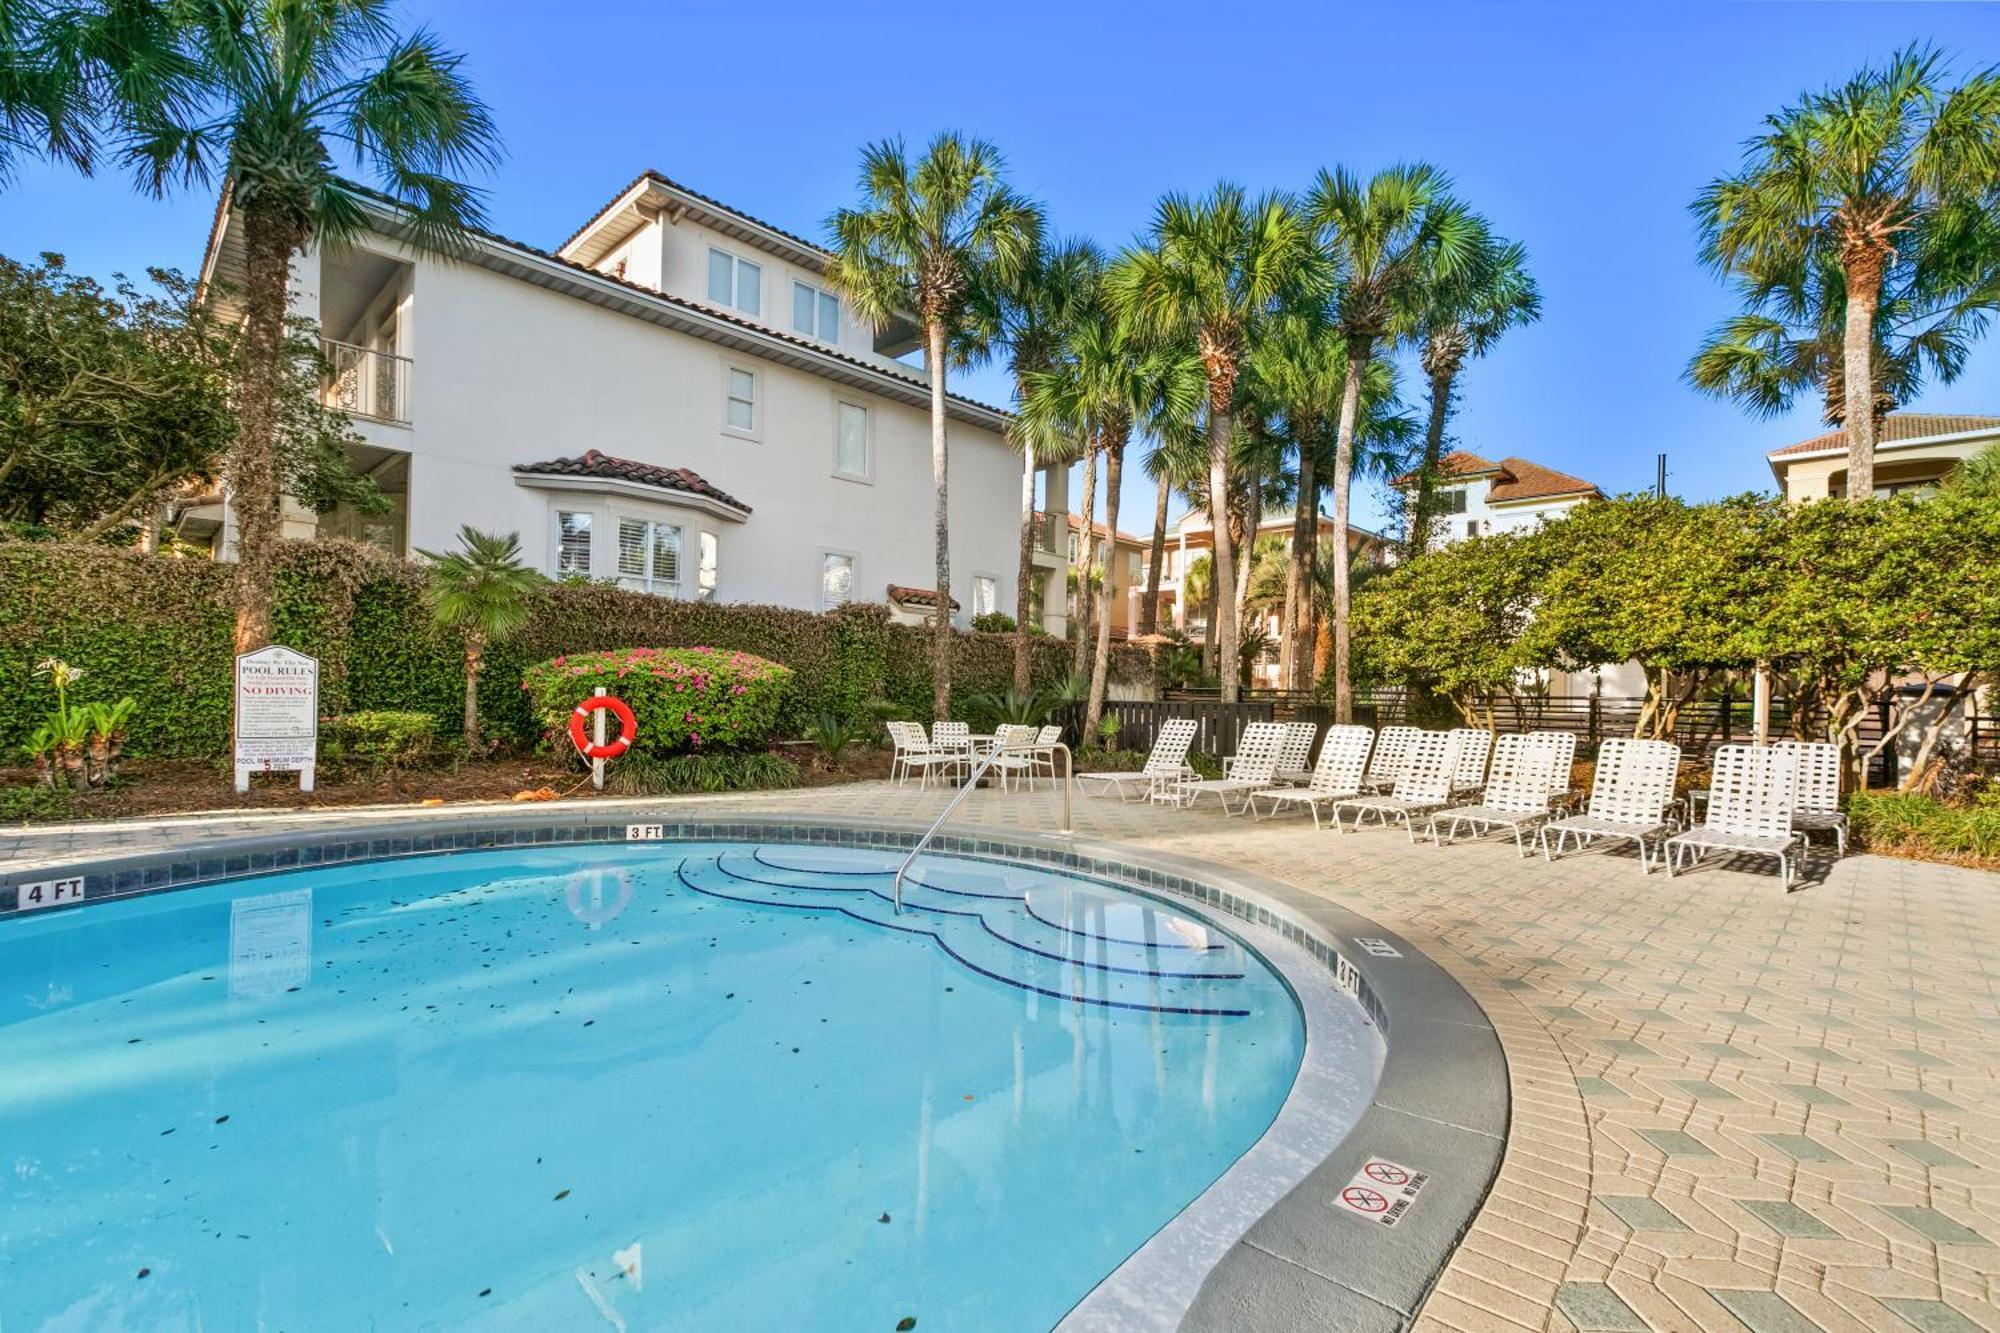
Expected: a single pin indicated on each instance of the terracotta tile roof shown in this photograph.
(1076, 525)
(607, 468)
(1896, 428)
(1513, 478)
(916, 596)
(1457, 463)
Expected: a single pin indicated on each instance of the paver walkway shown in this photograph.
(1733, 1109)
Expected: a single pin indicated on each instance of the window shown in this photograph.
(1472, 527)
(836, 580)
(815, 313)
(850, 441)
(734, 282)
(740, 409)
(1455, 501)
(704, 579)
(985, 594)
(1072, 548)
(649, 556)
(572, 543)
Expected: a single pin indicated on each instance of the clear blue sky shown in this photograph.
(1583, 129)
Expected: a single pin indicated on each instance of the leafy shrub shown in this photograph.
(378, 738)
(755, 770)
(684, 699)
(1107, 731)
(1923, 826)
(993, 622)
(832, 733)
(31, 805)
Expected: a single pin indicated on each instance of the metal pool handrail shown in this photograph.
(979, 771)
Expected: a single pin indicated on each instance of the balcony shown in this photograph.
(363, 382)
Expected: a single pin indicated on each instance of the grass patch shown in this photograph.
(1924, 827)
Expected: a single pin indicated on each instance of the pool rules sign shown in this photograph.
(277, 715)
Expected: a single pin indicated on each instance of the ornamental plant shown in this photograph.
(685, 699)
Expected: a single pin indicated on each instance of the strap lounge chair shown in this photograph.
(1562, 748)
(1629, 797)
(1252, 768)
(1818, 809)
(1343, 758)
(1424, 786)
(1295, 754)
(1476, 749)
(1751, 800)
(1392, 750)
(1516, 795)
(1166, 760)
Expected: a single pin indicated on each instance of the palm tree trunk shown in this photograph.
(1114, 467)
(1864, 292)
(1253, 518)
(253, 459)
(1343, 478)
(1298, 578)
(1149, 610)
(1086, 552)
(1222, 578)
(1427, 474)
(941, 618)
(1209, 616)
(1024, 574)
(475, 662)
(1309, 610)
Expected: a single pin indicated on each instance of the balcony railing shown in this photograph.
(1052, 534)
(363, 382)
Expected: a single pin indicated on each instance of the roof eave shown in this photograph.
(555, 481)
(1778, 456)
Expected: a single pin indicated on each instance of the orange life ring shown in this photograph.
(627, 724)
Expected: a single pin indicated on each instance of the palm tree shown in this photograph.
(1852, 196)
(271, 92)
(932, 238)
(1036, 311)
(1390, 239)
(1463, 317)
(70, 72)
(1210, 273)
(483, 591)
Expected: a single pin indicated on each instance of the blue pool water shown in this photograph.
(701, 1086)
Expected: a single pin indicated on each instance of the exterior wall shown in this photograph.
(506, 372)
(1816, 478)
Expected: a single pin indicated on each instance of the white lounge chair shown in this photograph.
(1818, 809)
(1476, 749)
(1295, 755)
(1424, 786)
(1562, 747)
(1343, 758)
(1516, 795)
(1629, 796)
(914, 753)
(1253, 767)
(1752, 796)
(1166, 760)
(1392, 751)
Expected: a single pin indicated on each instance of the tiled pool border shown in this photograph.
(1440, 1105)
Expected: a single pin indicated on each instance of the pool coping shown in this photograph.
(1440, 1106)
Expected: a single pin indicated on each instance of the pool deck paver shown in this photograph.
(1732, 1109)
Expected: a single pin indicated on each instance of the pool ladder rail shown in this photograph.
(971, 781)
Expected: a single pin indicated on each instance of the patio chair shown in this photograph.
(1253, 767)
(1752, 795)
(914, 753)
(1045, 754)
(953, 738)
(1166, 760)
(1014, 753)
(1516, 795)
(1425, 784)
(1392, 750)
(1295, 755)
(1476, 749)
(1562, 748)
(1629, 797)
(1818, 808)
(1343, 758)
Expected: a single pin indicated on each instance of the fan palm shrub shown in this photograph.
(484, 592)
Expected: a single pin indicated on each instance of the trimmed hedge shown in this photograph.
(160, 629)
(681, 698)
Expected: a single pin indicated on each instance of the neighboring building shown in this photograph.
(1122, 560)
(1478, 497)
(673, 399)
(1914, 451)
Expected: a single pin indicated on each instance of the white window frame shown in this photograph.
(993, 579)
(820, 296)
(707, 564)
(730, 369)
(867, 473)
(736, 266)
(677, 590)
(853, 560)
(556, 513)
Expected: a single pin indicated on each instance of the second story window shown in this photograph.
(1454, 502)
(815, 314)
(735, 282)
(740, 409)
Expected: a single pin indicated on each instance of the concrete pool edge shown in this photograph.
(1440, 1106)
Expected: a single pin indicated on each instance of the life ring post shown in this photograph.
(600, 748)
(597, 735)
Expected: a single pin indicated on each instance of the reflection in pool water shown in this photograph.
(714, 1086)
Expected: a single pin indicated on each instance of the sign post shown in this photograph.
(277, 715)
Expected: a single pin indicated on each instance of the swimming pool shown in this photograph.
(714, 1085)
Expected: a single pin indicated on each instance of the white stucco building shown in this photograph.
(672, 398)
(1478, 497)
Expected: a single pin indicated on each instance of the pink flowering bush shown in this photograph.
(686, 700)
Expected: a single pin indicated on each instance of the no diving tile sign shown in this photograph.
(1381, 1192)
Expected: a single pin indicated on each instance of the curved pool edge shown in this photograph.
(1264, 1246)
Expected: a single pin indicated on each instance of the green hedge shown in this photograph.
(682, 699)
(159, 628)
